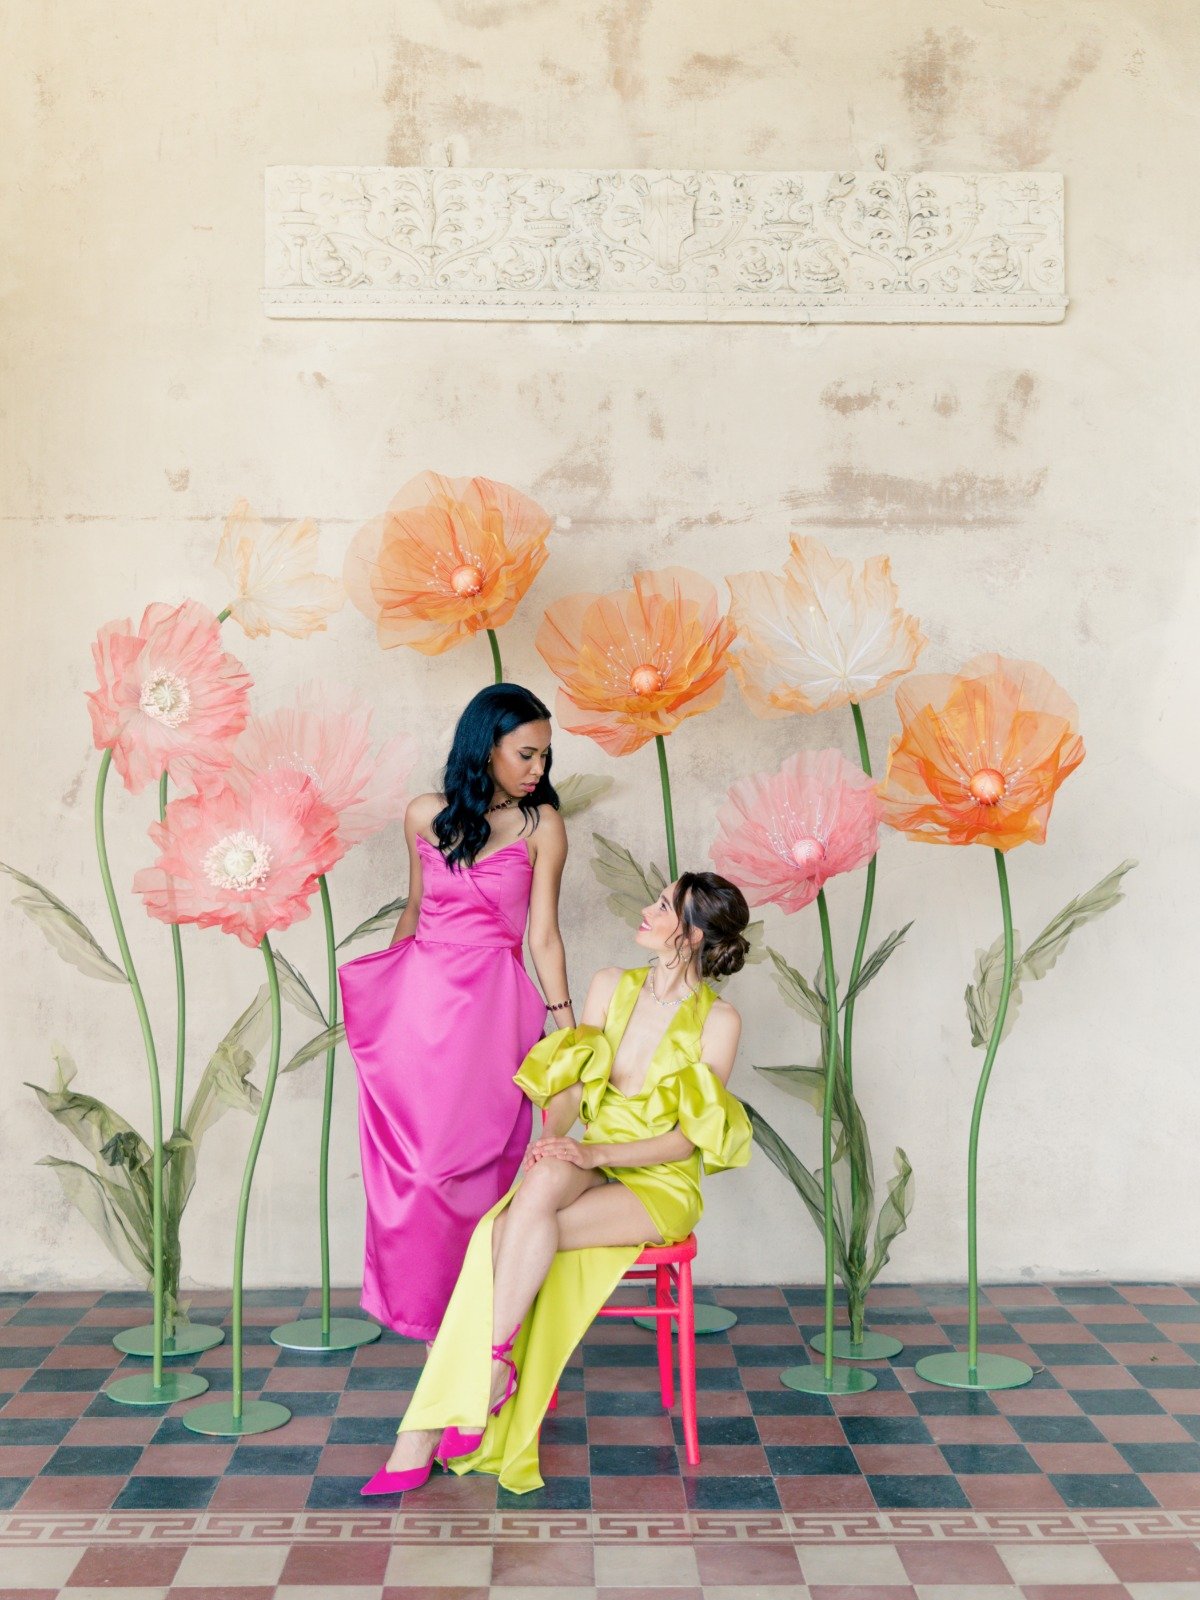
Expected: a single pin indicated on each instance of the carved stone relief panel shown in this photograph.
(649, 246)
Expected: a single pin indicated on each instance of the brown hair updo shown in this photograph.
(710, 905)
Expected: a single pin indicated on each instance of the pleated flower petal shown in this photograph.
(633, 664)
(980, 755)
(819, 635)
(245, 860)
(169, 699)
(449, 558)
(271, 572)
(783, 835)
(327, 738)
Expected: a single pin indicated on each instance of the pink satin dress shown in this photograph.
(438, 1025)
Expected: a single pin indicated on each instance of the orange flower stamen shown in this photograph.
(988, 786)
(646, 679)
(466, 580)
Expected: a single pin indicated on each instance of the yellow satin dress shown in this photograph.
(679, 1090)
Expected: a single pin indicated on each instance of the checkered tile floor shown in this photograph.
(1086, 1482)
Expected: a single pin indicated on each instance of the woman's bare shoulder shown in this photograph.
(422, 809)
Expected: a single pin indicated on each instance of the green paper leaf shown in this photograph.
(224, 1084)
(579, 790)
(294, 987)
(1045, 950)
(633, 887)
(328, 1039)
(797, 990)
(757, 938)
(107, 1208)
(377, 922)
(983, 994)
(893, 1215)
(806, 1083)
(64, 930)
(806, 1184)
(875, 961)
(89, 1120)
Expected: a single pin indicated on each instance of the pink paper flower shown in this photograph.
(245, 860)
(169, 698)
(783, 835)
(331, 745)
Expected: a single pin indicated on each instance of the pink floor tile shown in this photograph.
(825, 1493)
(127, 1566)
(957, 1563)
(1010, 1491)
(1174, 1491)
(1153, 1560)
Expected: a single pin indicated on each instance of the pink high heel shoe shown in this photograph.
(453, 1442)
(385, 1482)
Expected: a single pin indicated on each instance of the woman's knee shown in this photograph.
(543, 1186)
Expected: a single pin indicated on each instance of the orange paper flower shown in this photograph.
(448, 558)
(820, 634)
(980, 756)
(635, 663)
(275, 586)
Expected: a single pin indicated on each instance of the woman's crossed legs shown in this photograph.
(558, 1206)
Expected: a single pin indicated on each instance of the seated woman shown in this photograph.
(646, 1070)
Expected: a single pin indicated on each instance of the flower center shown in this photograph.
(238, 861)
(466, 580)
(167, 698)
(646, 679)
(987, 786)
(808, 854)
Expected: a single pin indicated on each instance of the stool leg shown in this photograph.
(687, 1364)
(666, 1367)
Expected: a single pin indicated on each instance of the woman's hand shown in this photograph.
(561, 1148)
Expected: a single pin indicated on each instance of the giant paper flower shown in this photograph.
(245, 860)
(980, 755)
(635, 663)
(275, 589)
(169, 698)
(819, 635)
(784, 834)
(331, 745)
(449, 558)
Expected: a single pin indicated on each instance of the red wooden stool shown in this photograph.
(670, 1265)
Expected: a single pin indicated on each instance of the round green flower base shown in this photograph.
(345, 1333)
(190, 1339)
(258, 1416)
(140, 1390)
(949, 1369)
(812, 1380)
(874, 1346)
(709, 1319)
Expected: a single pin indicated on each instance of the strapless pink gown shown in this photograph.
(438, 1025)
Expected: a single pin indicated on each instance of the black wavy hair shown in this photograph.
(462, 827)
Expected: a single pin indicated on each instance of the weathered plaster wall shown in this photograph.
(1035, 487)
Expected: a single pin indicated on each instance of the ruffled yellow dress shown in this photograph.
(678, 1090)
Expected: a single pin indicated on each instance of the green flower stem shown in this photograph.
(327, 1114)
(264, 1109)
(180, 989)
(175, 1177)
(223, 616)
(977, 1113)
(827, 1128)
(864, 755)
(139, 1001)
(668, 814)
(496, 662)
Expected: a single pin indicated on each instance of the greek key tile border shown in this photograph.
(610, 1528)
(447, 243)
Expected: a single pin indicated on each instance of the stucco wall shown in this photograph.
(1035, 487)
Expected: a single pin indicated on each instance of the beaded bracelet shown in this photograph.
(563, 1005)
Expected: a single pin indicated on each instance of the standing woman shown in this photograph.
(440, 1020)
